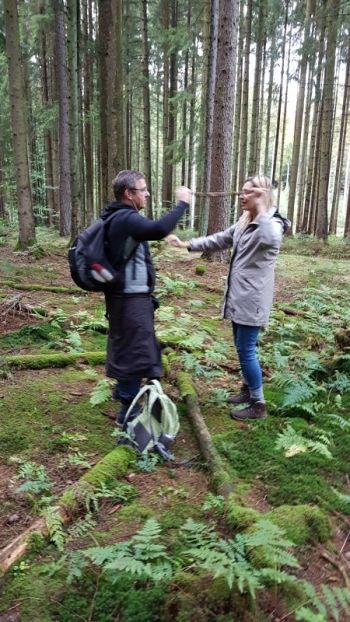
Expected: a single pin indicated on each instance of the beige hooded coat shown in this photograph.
(250, 282)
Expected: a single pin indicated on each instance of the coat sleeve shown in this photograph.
(215, 242)
(143, 229)
(270, 230)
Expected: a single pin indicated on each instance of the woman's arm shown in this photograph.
(214, 242)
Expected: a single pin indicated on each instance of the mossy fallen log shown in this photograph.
(219, 475)
(29, 287)
(301, 523)
(113, 465)
(61, 359)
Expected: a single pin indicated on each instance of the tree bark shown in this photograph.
(74, 134)
(219, 213)
(63, 126)
(19, 126)
(340, 151)
(299, 115)
(327, 120)
(279, 107)
(146, 108)
(253, 140)
(209, 115)
(245, 102)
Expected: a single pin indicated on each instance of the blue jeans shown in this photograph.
(126, 390)
(245, 338)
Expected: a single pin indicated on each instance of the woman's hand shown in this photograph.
(260, 201)
(173, 240)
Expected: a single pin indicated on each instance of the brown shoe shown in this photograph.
(242, 397)
(256, 410)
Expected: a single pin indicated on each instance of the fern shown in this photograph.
(73, 339)
(143, 555)
(81, 527)
(293, 443)
(55, 527)
(299, 390)
(101, 392)
(324, 605)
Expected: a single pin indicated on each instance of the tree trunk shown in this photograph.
(279, 107)
(63, 126)
(340, 151)
(104, 15)
(219, 213)
(209, 116)
(245, 101)
(200, 155)
(253, 140)
(167, 167)
(87, 105)
(280, 174)
(74, 134)
(299, 116)
(306, 225)
(302, 176)
(269, 103)
(327, 119)
(238, 106)
(146, 108)
(48, 148)
(19, 126)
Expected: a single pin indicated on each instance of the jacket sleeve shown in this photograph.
(142, 229)
(214, 242)
(270, 230)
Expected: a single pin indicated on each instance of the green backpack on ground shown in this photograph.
(156, 426)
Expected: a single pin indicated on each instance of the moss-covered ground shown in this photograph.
(292, 468)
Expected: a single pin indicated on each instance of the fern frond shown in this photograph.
(101, 392)
(55, 526)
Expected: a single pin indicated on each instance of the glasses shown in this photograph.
(140, 189)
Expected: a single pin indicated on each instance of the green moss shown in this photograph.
(42, 288)
(41, 361)
(239, 517)
(301, 523)
(33, 589)
(184, 383)
(306, 478)
(200, 269)
(112, 466)
(202, 598)
(37, 403)
(134, 511)
(115, 464)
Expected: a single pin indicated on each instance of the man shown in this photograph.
(133, 352)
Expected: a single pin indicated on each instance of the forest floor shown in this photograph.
(291, 469)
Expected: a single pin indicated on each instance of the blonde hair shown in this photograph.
(257, 181)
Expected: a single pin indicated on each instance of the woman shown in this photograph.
(255, 240)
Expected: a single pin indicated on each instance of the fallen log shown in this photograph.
(61, 359)
(113, 465)
(33, 287)
(218, 473)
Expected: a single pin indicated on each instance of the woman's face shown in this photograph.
(248, 197)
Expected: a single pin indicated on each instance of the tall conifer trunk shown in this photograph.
(19, 126)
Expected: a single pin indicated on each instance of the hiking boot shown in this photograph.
(256, 410)
(240, 398)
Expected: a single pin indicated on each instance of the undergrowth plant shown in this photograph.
(257, 559)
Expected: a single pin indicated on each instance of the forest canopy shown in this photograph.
(194, 93)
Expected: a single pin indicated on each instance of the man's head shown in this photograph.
(130, 187)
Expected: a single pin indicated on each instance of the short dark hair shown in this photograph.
(125, 180)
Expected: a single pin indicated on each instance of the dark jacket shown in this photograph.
(129, 226)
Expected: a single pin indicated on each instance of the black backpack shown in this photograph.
(89, 265)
